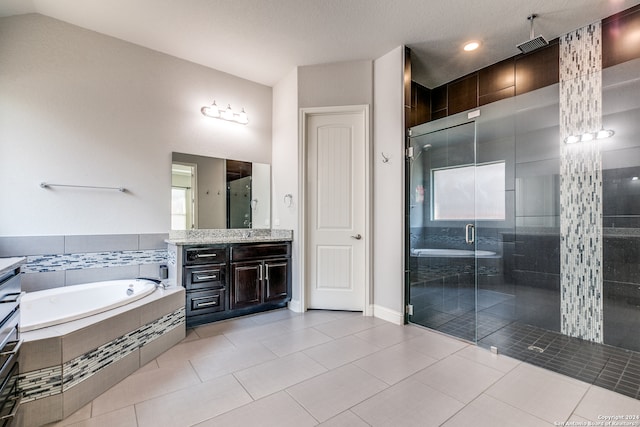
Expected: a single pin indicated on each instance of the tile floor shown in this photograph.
(341, 369)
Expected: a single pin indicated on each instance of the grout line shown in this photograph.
(286, 390)
(573, 412)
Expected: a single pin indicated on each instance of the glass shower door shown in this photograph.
(441, 222)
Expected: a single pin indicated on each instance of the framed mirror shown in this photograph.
(210, 192)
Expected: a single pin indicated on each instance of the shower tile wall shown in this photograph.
(581, 184)
(621, 207)
(55, 261)
(535, 255)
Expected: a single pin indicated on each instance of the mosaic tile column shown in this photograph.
(581, 185)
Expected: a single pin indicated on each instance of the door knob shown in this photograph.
(357, 237)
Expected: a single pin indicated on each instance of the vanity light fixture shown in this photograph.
(589, 136)
(225, 113)
(471, 46)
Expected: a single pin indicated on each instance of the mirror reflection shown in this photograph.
(209, 192)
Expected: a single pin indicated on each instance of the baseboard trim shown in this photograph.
(387, 314)
(295, 306)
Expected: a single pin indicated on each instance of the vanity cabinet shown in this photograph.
(260, 274)
(10, 293)
(230, 280)
(204, 276)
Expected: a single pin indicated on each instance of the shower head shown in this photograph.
(426, 147)
(534, 42)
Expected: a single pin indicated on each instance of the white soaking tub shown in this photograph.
(60, 305)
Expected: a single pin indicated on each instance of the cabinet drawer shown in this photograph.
(205, 302)
(8, 359)
(10, 285)
(9, 296)
(205, 276)
(9, 398)
(205, 255)
(9, 330)
(266, 250)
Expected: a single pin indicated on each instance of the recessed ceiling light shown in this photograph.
(472, 45)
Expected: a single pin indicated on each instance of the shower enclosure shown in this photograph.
(488, 249)
(457, 218)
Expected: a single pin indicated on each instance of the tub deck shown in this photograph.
(65, 366)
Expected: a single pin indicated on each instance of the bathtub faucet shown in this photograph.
(158, 282)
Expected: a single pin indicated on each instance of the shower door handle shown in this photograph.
(470, 234)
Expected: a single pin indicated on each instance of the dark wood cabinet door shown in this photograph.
(246, 286)
(276, 280)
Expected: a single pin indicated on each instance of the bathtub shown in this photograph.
(66, 365)
(60, 305)
(451, 253)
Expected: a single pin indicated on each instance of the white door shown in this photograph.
(336, 239)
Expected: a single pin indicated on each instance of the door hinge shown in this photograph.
(409, 153)
(409, 309)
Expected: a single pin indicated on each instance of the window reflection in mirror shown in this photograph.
(208, 192)
(183, 184)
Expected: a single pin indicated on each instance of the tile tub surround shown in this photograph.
(65, 366)
(55, 261)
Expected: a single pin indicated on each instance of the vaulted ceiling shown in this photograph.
(263, 40)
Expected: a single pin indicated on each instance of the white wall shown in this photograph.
(377, 83)
(388, 178)
(340, 83)
(78, 107)
(284, 162)
(335, 84)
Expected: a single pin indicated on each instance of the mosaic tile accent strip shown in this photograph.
(581, 301)
(47, 263)
(172, 256)
(88, 364)
(41, 383)
(51, 381)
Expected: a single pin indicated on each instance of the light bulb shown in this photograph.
(242, 118)
(587, 137)
(472, 45)
(211, 111)
(228, 113)
(604, 133)
(572, 139)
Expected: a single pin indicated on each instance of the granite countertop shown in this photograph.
(8, 264)
(214, 236)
